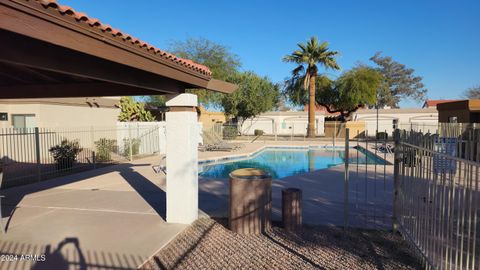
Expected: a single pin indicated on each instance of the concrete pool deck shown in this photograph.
(109, 218)
(114, 217)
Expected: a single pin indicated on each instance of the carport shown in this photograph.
(49, 50)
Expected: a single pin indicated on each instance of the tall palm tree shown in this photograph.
(307, 57)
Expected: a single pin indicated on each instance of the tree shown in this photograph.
(473, 92)
(399, 82)
(218, 58)
(254, 95)
(351, 91)
(282, 105)
(307, 57)
(295, 92)
(157, 101)
(132, 111)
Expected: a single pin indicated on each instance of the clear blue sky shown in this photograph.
(439, 39)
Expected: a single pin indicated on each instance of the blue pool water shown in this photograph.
(286, 162)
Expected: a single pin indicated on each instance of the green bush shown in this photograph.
(258, 132)
(65, 154)
(104, 149)
(382, 136)
(230, 132)
(135, 147)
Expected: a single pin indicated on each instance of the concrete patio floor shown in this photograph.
(109, 218)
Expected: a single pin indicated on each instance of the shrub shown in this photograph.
(104, 149)
(135, 147)
(65, 153)
(258, 132)
(382, 136)
(230, 132)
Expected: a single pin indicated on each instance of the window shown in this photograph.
(452, 119)
(395, 123)
(23, 120)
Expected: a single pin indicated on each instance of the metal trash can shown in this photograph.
(250, 207)
(292, 209)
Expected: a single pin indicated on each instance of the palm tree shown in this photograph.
(307, 57)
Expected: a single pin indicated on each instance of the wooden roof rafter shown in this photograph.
(40, 41)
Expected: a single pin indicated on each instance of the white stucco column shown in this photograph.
(182, 159)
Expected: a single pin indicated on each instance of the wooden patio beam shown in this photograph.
(94, 89)
(44, 25)
(35, 54)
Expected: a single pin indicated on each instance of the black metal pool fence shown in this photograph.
(30, 155)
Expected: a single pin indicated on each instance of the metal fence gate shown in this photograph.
(368, 180)
(436, 202)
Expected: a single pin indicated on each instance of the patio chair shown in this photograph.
(221, 147)
(160, 168)
(214, 144)
(221, 141)
(386, 148)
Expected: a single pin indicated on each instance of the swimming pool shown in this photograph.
(283, 162)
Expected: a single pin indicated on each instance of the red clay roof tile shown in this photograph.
(93, 22)
(435, 102)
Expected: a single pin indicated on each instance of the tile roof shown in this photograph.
(435, 102)
(81, 17)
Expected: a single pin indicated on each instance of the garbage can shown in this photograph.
(250, 206)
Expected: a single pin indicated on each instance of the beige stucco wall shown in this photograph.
(283, 123)
(424, 119)
(208, 119)
(51, 115)
(356, 129)
(364, 121)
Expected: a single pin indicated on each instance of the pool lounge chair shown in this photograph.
(216, 143)
(220, 140)
(210, 144)
(221, 147)
(162, 167)
(386, 148)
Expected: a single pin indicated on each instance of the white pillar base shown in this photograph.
(182, 159)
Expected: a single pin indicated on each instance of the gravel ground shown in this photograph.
(207, 244)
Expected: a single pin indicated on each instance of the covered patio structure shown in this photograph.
(50, 50)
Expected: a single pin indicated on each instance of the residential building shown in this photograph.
(283, 123)
(425, 119)
(59, 112)
(295, 123)
(432, 103)
(462, 111)
(209, 118)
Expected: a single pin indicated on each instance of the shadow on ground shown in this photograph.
(151, 193)
(47, 229)
(65, 255)
(209, 245)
